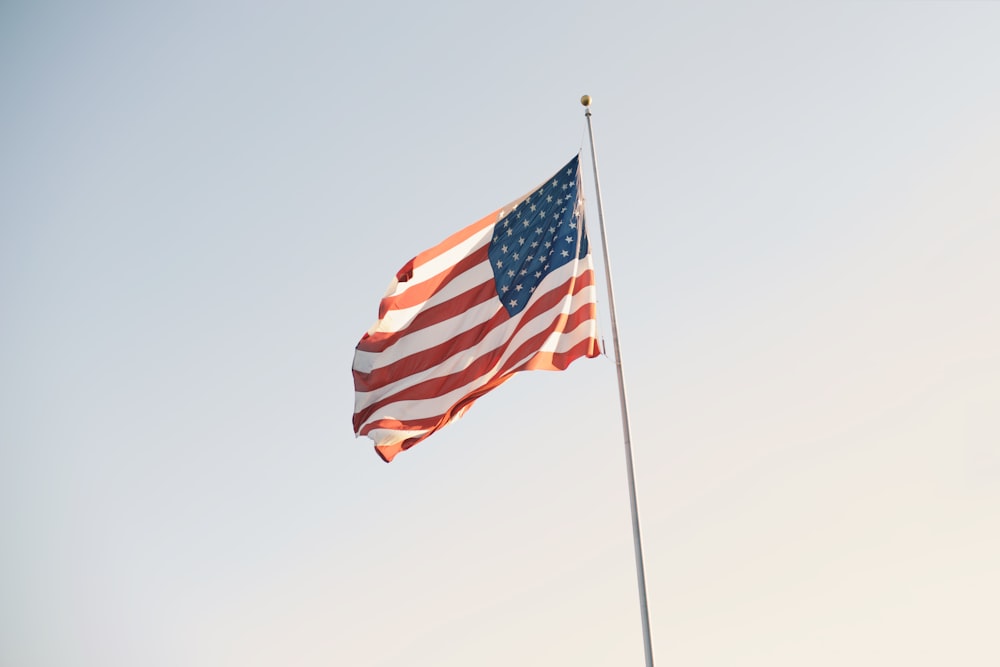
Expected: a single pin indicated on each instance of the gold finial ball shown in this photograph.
(585, 100)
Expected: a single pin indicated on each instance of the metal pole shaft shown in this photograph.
(640, 570)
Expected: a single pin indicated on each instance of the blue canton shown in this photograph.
(538, 236)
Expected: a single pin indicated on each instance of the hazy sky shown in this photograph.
(202, 202)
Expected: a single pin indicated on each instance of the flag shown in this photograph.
(514, 291)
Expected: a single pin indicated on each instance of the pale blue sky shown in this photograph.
(202, 202)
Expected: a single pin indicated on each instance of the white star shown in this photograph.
(570, 239)
(499, 264)
(518, 287)
(513, 303)
(504, 288)
(516, 257)
(572, 225)
(510, 232)
(542, 214)
(549, 199)
(511, 274)
(538, 274)
(503, 249)
(533, 208)
(565, 253)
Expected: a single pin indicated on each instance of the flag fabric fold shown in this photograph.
(513, 291)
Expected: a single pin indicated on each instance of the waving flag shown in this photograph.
(511, 292)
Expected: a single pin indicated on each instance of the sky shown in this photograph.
(201, 204)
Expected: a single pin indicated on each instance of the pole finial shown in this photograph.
(585, 100)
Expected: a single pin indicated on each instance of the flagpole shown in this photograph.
(640, 570)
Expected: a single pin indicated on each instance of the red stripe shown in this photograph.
(455, 239)
(428, 357)
(531, 347)
(420, 293)
(557, 360)
(380, 341)
(438, 386)
(387, 452)
(539, 360)
(560, 361)
(443, 384)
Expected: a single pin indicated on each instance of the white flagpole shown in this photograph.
(640, 570)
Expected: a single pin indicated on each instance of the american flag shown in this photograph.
(512, 292)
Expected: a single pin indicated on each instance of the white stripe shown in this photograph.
(423, 409)
(563, 342)
(418, 341)
(445, 260)
(393, 436)
(499, 337)
(434, 335)
(398, 319)
(469, 320)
